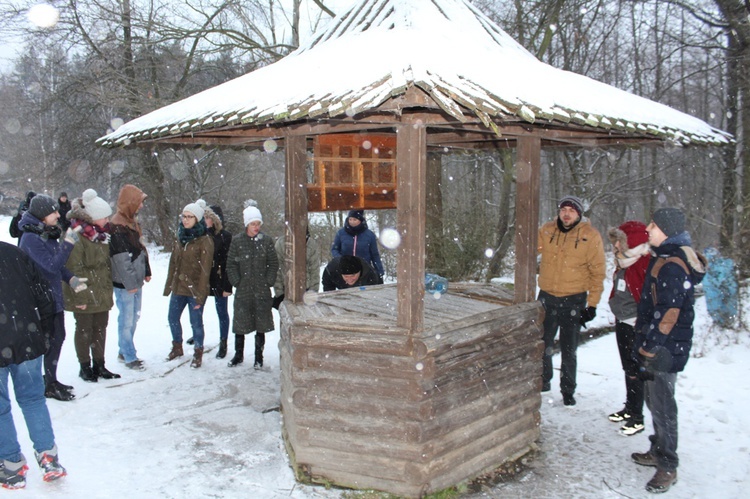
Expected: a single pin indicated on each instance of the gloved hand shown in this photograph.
(71, 235)
(277, 301)
(587, 315)
(78, 283)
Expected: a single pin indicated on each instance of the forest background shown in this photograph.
(82, 67)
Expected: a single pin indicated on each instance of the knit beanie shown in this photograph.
(42, 205)
(574, 202)
(196, 209)
(671, 221)
(349, 265)
(358, 214)
(94, 206)
(251, 214)
(635, 232)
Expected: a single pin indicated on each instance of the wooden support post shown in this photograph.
(295, 201)
(528, 166)
(411, 163)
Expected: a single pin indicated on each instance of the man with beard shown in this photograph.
(571, 281)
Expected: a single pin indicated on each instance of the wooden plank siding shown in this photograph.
(368, 404)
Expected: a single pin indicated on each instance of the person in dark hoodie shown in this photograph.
(130, 270)
(664, 330)
(27, 303)
(22, 207)
(632, 256)
(41, 243)
(356, 239)
(64, 206)
(348, 272)
(221, 288)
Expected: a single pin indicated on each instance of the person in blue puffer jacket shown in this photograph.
(664, 329)
(355, 239)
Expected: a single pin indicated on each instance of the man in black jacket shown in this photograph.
(28, 308)
(14, 230)
(348, 272)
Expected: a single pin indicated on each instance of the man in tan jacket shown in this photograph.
(571, 281)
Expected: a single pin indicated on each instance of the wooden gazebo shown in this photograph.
(382, 387)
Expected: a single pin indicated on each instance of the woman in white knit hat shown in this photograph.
(90, 307)
(251, 266)
(188, 278)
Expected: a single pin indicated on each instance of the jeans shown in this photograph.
(177, 304)
(129, 305)
(659, 394)
(563, 312)
(28, 386)
(222, 310)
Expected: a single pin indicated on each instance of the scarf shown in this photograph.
(627, 258)
(355, 231)
(92, 232)
(44, 231)
(187, 235)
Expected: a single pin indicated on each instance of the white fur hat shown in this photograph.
(196, 209)
(251, 214)
(94, 206)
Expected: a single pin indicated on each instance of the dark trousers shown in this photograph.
(91, 335)
(52, 355)
(659, 395)
(625, 334)
(563, 313)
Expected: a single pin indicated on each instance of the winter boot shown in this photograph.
(569, 399)
(50, 466)
(176, 351)
(662, 481)
(644, 458)
(239, 350)
(56, 391)
(87, 374)
(197, 358)
(222, 349)
(260, 341)
(13, 475)
(102, 372)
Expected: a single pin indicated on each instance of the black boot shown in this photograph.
(239, 350)
(53, 391)
(101, 372)
(222, 349)
(87, 373)
(260, 342)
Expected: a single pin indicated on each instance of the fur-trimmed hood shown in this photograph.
(78, 213)
(630, 235)
(209, 213)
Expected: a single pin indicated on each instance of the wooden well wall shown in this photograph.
(369, 406)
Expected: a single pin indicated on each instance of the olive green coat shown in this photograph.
(252, 265)
(91, 260)
(190, 269)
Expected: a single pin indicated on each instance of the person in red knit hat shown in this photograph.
(630, 242)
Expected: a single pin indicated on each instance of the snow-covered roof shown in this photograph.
(380, 49)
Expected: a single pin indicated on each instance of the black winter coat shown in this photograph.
(332, 279)
(26, 307)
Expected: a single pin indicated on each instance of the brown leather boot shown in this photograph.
(197, 358)
(176, 351)
(661, 481)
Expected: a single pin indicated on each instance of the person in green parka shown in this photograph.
(252, 265)
(90, 259)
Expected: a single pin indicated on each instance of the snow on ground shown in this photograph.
(172, 431)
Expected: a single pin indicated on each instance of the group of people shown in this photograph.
(652, 298)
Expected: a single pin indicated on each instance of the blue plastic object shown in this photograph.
(434, 283)
(721, 288)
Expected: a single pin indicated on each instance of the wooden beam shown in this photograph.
(528, 167)
(411, 164)
(295, 216)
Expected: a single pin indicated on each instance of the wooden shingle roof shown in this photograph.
(383, 50)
